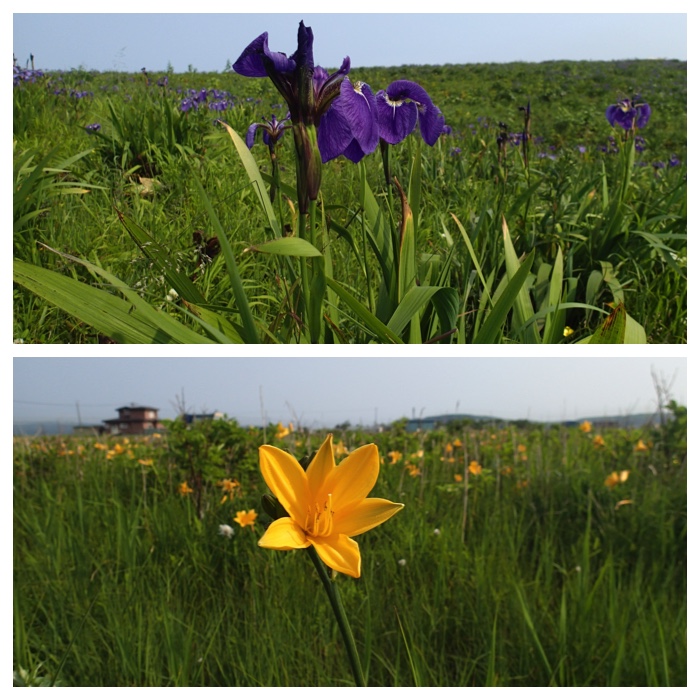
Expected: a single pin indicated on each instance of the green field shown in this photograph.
(494, 242)
(525, 555)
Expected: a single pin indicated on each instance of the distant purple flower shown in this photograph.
(93, 128)
(455, 151)
(187, 104)
(582, 149)
(272, 131)
(447, 129)
(639, 144)
(658, 164)
(673, 161)
(628, 114)
(400, 106)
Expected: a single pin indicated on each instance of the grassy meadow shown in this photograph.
(138, 218)
(526, 555)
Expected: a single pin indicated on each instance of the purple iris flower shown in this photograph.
(307, 90)
(673, 161)
(349, 127)
(272, 131)
(628, 114)
(93, 128)
(403, 104)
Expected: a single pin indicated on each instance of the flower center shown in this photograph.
(319, 523)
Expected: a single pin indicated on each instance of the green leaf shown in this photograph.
(494, 321)
(249, 330)
(619, 327)
(162, 257)
(124, 321)
(522, 308)
(292, 246)
(383, 333)
(255, 178)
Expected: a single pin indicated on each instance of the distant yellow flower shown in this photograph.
(417, 455)
(568, 330)
(522, 449)
(282, 431)
(614, 478)
(327, 504)
(413, 470)
(457, 443)
(507, 471)
(245, 518)
(598, 441)
(184, 488)
(340, 450)
(448, 447)
(119, 449)
(146, 462)
(458, 478)
(228, 486)
(475, 468)
(394, 456)
(585, 427)
(641, 446)
(100, 446)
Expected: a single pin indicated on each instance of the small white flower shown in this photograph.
(402, 562)
(436, 531)
(172, 295)
(226, 531)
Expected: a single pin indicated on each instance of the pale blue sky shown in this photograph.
(128, 42)
(323, 392)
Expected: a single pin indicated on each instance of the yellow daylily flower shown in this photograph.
(245, 518)
(641, 446)
(585, 427)
(613, 479)
(184, 488)
(474, 468)
(598, 441)
(327, 504)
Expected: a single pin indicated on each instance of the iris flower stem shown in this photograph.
(341, 617)
(305, 289)
(363, 179)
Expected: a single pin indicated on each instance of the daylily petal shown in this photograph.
(287, 480)
(364, 516)
(340, 553)
(284, 534)
(354, 477)
(321, 466)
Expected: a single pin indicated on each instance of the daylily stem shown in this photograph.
(341, 617)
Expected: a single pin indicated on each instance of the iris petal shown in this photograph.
(287, 480)
(340, 553)
(284, 534)
(334, 134)
(360, 110)
(431, 121)
(250, 135)
(396, 121)
(364, 516)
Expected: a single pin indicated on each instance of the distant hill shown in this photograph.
(635, 420)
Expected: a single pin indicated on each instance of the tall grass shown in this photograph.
(603, 223)
(551, 580)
